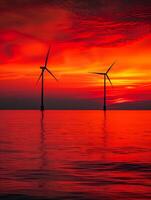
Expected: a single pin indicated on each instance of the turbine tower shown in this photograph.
(105, 74)
(43, 69)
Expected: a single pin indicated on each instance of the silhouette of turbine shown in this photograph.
(43, 69)
(105, 76)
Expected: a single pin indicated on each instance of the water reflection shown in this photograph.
(43, 152)
(105, 138)
(104, 132)
(75, 155)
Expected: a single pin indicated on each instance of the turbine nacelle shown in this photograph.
(105, 74)
(42, 67)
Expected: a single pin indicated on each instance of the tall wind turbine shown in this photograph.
(105, 74)
(43, 69)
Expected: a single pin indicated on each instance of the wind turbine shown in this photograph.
(105, 74)
(43, 69)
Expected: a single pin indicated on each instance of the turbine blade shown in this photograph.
(109, 79)
(51, 74)
(46, 61)
(39, 78)
(96, 73)
(110, 67)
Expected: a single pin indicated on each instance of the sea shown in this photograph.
(75, 154)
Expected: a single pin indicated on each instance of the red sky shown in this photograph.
(84, 36)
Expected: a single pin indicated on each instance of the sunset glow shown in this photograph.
(83, 38)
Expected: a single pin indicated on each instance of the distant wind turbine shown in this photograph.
(105, 76)
(43, 69)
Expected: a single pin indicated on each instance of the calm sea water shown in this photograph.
(87, 155)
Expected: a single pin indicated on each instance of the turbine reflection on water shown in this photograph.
(43, 152)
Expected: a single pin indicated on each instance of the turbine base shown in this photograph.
(104, 108)
(42, 108)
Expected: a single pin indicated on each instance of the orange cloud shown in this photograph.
(81, 42)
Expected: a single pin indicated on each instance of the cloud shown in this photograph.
(85, 36)
(90, 23)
